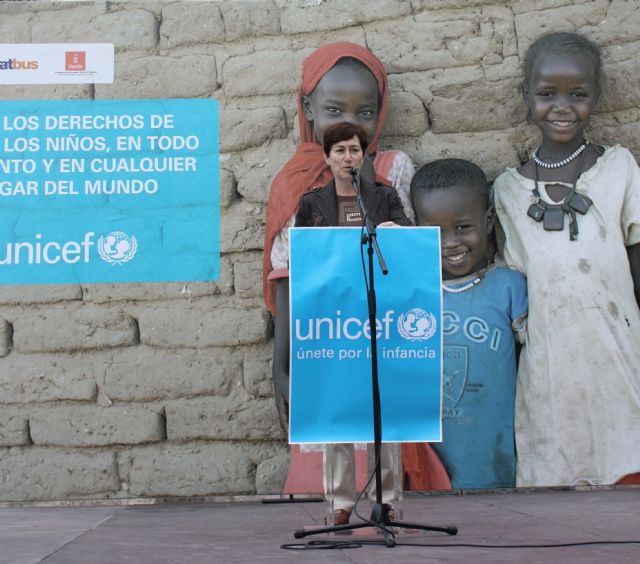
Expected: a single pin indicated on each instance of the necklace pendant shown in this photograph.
(553, 219)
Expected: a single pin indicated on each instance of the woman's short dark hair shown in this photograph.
(563, 43)
(342, 132)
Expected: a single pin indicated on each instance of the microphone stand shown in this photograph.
(380, 512)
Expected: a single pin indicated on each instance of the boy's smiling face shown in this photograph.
(346, 93)
(464, 221)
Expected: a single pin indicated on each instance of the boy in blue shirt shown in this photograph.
(484, 311)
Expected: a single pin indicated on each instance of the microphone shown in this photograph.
(354, 172)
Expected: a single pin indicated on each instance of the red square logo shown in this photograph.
(75, 60)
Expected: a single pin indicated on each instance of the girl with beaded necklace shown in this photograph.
(571, 221)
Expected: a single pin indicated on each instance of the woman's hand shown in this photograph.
(388, 224)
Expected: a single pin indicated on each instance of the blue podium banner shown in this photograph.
(109, 191)
(331, 392)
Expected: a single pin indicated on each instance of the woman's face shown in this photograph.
(343, 156)
(346, 93)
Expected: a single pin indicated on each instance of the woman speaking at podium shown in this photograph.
(336, 205)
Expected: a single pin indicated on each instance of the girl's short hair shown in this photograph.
(342, 132)
(563, 43)
(447, 173)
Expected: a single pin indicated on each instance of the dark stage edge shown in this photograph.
(250, 531)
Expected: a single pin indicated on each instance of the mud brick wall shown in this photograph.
(115, 391)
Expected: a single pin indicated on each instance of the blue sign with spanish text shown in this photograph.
(331, 387)
(109, 191)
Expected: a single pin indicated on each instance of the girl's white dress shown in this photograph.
(578, 393)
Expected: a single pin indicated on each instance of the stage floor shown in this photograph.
(250, 531)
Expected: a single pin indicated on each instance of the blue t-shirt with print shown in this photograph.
(479, 383)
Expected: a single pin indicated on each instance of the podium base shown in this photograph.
(378, 524)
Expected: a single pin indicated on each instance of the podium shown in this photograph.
(335, 391)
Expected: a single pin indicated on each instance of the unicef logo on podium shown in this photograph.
(117, 247)
(417, 325)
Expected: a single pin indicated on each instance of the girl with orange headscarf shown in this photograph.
(307, 168)
(340, 82)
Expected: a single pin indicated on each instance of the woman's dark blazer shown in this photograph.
(318, 207)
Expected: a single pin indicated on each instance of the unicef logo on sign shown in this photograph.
(417, 325)
(117, 247)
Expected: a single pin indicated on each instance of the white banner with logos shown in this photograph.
(56, 63)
